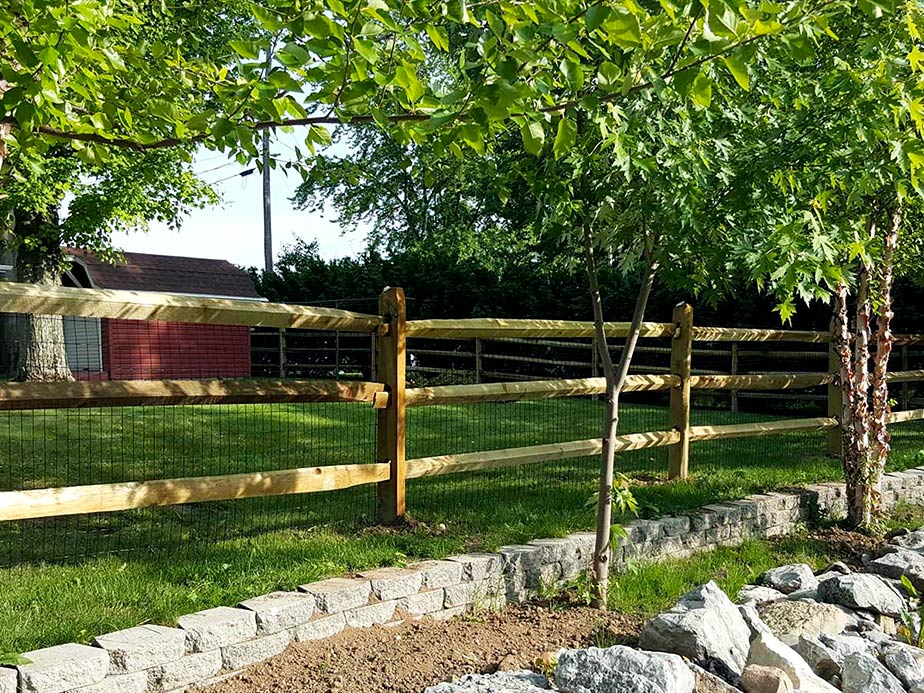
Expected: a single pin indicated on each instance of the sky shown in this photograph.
(234, 230)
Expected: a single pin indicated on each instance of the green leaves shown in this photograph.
(701, 90)
(738, 70)
(533, 134)
(438, 36)
(564, 137)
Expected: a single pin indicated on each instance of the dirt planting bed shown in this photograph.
(410, 657)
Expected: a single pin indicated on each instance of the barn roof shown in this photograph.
(166, 273)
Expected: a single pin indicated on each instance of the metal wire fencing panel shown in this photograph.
(907, 445)
(54, 448)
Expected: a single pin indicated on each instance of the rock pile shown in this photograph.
(794, 632)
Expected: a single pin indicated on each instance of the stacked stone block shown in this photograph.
(212, 644)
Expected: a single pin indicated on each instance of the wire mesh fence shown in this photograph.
(53, 448)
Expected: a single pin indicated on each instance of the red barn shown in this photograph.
(144, 350)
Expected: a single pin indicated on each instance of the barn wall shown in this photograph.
(145, 350)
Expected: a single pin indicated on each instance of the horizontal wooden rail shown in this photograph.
(739, 334)
(127, 393)
(510, 457)
(759, 382)
(904, 416)
(100, 498)
(496, 327)
(533, 389)
(907, 339)
(761, 428)
(905, 376)
(142, 305)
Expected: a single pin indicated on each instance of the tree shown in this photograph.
(571, 66)
(105, 190)
(841, 172)
(129, 191)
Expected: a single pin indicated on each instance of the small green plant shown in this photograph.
(605, 637)
(545, 665)
(580, 587)
(11, 659)
(549, 593)
(910, 631)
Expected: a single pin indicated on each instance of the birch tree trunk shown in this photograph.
(864, 421)
(615, 381)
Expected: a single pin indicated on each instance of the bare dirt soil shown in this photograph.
(410, 657)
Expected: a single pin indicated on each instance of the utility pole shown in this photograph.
(267, 197)
(267, 206)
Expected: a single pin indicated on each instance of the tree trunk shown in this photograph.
(864, 421)
(615, 380)
(879, 429)
(41, 353)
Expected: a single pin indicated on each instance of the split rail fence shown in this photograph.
(391, 469)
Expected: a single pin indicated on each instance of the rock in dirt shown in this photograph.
(787, 620)
(838, 567)
(752, 619)
(758, 594)
(901, 562)
(769, 651)
(789, 578)
(862, 591)
(862, 673)
(703, 625)
(502, 682)
(621, 669)
(911, 540)
(824, 661)
(760, 679)
(905, 662)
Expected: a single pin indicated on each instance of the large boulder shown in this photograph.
(501, 682)
(758, 594)
(862, 591)
(862, 673)
(769, 651)
(787, 620)
(758, 679)
(752, 619)
(703, 626)
(901, 562)
(824, 661)
(905, 662)
(789, 578)
(621, 669)
(845, 644)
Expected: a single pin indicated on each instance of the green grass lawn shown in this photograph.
(168, 561)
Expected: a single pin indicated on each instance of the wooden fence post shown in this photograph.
(478, 366)
(835, 400)
(282, 352)
(391, 366)
(681, 356)
(734, 371)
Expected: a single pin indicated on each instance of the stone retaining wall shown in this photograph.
(215, 643)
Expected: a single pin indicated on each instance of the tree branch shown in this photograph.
(258, 126)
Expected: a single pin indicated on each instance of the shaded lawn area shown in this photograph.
(165, 562)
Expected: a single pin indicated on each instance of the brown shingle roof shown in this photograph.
(167, 273)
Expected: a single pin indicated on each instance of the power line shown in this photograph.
(242, 174)
(216, 168)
